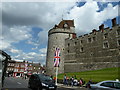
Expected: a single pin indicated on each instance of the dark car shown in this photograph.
(105, 85)
(40, 82)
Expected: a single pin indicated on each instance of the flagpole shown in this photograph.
(56, 74)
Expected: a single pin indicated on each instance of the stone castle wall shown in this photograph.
(96, 50)
(99, 49)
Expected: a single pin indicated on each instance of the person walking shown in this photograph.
(65, 80)
(72, 81)
(81, 82)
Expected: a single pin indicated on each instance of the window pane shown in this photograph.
(117, 85)
(107, 84)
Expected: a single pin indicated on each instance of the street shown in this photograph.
(12, 83)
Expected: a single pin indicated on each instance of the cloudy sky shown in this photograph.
(25, 25)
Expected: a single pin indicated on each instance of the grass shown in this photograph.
(96, 75)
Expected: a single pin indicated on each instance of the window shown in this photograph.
(94, 39)
(22, 66)
(68, 51)
(118, 32)
(108, 84)
(91, 54)
(16, 70)
(17, 65)
(81, 41)
(118, 42)
(105, 45)
(65, 25)
(106, 36)
(75, 43)
(81, 49)
(68, 44)
(117, 85)
(89, 40)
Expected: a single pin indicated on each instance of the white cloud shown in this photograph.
(31, 56)
(43, 37)
(4, 45)
(43, 50)
(15, 51)
(87, 17)
(13, 35)
(18, 18)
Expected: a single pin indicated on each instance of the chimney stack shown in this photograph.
(114, 22)
(74, 35)
(101, 27)
(94, 31)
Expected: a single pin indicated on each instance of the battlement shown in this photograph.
(95, 50)
(65, 26)
(59, 30)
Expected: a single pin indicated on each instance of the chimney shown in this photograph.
(74, 35)
(94, 31)
(114, 22)
(101, 27)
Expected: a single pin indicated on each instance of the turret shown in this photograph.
(56, 38)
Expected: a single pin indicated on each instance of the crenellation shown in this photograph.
(95, 50)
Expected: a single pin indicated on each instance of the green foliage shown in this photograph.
(96, 75)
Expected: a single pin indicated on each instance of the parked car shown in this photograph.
(41, 81)
(105, 85)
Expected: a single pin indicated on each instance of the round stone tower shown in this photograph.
(56, 39)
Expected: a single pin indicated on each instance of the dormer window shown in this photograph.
(65, 25)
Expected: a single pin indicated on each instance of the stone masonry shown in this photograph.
(96, 50)
(56, 39)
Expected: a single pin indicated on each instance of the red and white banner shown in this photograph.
(57, 57)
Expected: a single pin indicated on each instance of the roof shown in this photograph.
(70, 23)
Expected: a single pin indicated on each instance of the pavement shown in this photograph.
(68, 86)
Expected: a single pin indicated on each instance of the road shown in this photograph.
(12, 83)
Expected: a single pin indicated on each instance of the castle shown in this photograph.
(96, 50)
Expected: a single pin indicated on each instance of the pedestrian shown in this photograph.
(65, 80)
(88, 84)
(81, 82)
(72, 81)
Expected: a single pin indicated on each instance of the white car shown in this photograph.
(105, 85)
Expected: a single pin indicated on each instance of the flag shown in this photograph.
(57, 57)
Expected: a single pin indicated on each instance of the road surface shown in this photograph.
(12, 83)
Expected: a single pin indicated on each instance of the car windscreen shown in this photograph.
(117, 85)
(44, 77)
